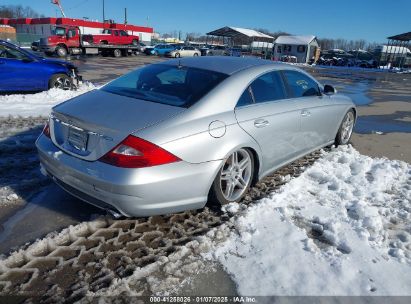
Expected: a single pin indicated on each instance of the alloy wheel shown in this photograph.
(347, 127)
(63, 83)
(235, 176)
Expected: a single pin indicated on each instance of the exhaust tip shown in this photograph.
(116, 215)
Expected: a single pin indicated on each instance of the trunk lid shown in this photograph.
(90, 125)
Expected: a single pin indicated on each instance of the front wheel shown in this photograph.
(61, 51)
(346, 128)
(234, 178)
(134, 42)
(195, 54)
(60, 81)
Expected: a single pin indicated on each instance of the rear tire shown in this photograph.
(178, 55)
(345, 131)
(60, 81)
(195, 55)
(233, 179)
(117, 53)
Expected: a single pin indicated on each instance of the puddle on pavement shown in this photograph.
(396, 122)
(370, 124)
(358, 93)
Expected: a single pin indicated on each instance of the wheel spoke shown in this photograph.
(241, 182)
(234, 159)
(244, 163)
(225, 175)
(229, 190)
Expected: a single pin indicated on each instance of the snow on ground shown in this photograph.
(38, 104)
(342, 228)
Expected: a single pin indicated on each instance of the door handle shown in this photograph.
(261, 123)
(305, 113)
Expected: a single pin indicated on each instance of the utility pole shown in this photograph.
(125, 15)
(104, 17)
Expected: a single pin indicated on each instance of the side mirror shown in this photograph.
(329, 90)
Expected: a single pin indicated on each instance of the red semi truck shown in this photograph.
(69, 40)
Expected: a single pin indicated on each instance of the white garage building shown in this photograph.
(303, 48)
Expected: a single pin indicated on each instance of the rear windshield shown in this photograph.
(171, 85)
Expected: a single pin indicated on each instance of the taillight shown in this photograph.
(134, 152)
(46, 130)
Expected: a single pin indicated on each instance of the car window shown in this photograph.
(60, 31)
(300, 84)
(268, 87)
(71, 33)
(123, 33)
(245, 99)
(166, 84)
(115, 33)
(10, 53)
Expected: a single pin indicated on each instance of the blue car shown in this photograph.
(162, 49)
(21, 70)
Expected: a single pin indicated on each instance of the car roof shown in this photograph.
(222, 64)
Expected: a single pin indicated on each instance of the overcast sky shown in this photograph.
(349, 19)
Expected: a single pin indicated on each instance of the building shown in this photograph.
(249, 40)
(31, 29)
(396, 53)
(299, 49)
(7, 32)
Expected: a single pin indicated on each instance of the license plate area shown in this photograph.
(78, 139)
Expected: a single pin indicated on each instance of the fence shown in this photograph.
(21, 39)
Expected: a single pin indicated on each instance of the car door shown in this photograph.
(18, 71)
(73, 38)
(187, 51)
(125, 38)
(115, 38)
(266, 113)
(317, 111)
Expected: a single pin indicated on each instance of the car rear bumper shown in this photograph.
(132, 192)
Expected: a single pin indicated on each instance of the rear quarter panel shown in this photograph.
(201, 139)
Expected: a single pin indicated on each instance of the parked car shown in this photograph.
(142, 47)
(215, 50)
(21, 70)
(35, 45)
(162, 49)
(171, 136)
(183, 51)
(148, 49)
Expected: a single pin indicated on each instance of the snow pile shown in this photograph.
(39, 104)
(341, 228)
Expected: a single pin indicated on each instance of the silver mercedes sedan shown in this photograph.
(171, 136)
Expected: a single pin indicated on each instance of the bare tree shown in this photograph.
(18, 11)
